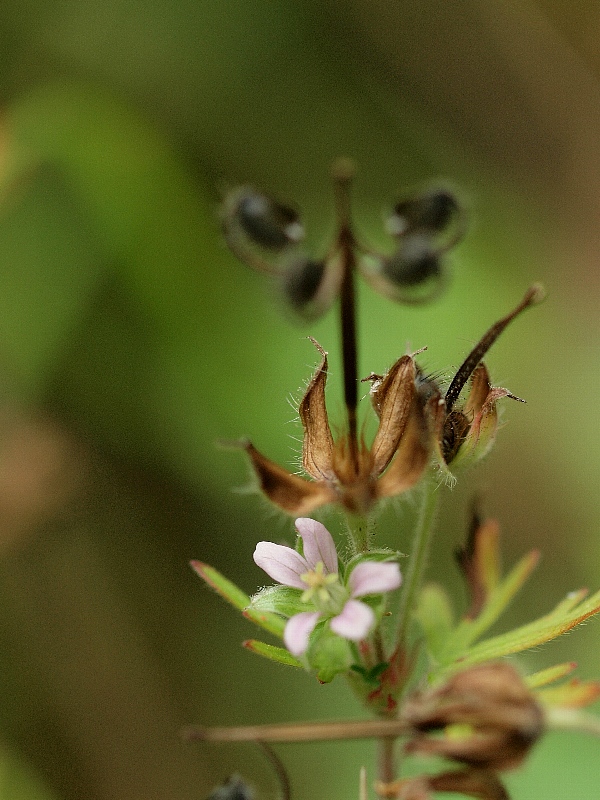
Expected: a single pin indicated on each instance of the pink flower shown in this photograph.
(316, 573)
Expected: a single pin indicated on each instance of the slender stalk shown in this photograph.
(300, 731)
(343, 172)
(418, 558)
(386, 759)
(349, 341)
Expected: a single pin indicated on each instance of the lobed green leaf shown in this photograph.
(561, 619)
(469, 630)
(279, 600)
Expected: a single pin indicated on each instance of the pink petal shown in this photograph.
(281, 563)
(318, 544)
(297, 631)
(355, 621)
(374, 577)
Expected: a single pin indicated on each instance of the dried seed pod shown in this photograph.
(415, 262)
(266, 222)
(303, 283)
(415, 273)
(431, 212)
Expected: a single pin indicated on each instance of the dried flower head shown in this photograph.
(345, 470)
(488, 716)
(414, 422)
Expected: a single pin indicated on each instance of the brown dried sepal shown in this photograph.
(348, 471)
(317, 446)
(502, 718)
(289, 492)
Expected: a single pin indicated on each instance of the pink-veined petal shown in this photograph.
(374, 577)
(281, 563)
(297, 631)
(355, 621)
(318, 544)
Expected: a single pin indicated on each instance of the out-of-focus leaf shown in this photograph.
(434, 613)
(549, 675)
(271, 652)
(572, 694)
(222, 585)
(18, 782)
(469, 630)
(567, 614)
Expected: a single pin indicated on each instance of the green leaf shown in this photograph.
(572, 694)
(267, 620)
(277, 654)
(565, 616)
(471, 629)
(550, 674)
(280, 600)
(228, 590)
(434, 614)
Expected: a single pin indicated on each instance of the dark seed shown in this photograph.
(415, 262)
(301, 282)
(266, 222)
(430, 212)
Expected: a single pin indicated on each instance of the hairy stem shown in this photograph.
(418, 556)
(360, 529)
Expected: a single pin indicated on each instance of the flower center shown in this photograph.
(324, 589)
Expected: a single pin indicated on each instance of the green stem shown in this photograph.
(359, 532)
(418, 557)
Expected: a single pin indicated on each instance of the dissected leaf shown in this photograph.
(567, 614)
(278, 599)
(469, 630)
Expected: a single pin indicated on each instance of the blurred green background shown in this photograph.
(130, 341)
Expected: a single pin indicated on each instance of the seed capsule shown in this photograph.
(302, 284)
(431, 212)
(264, 221)
(415, 262)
